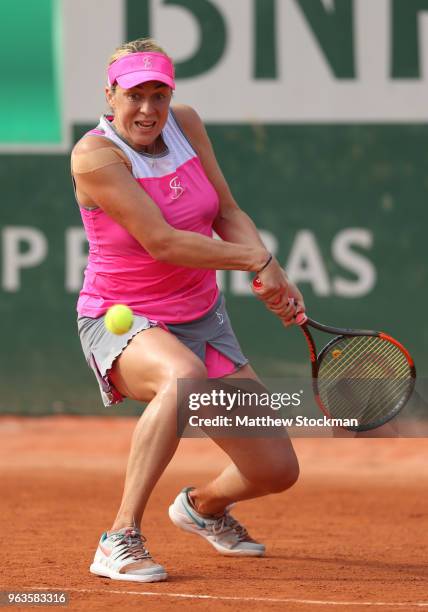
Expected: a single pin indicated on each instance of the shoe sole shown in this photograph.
(100, 570)
(228, 552)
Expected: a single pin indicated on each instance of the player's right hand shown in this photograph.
(285, 304)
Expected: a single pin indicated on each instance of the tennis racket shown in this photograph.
(360, 374)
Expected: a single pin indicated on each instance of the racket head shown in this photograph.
(369, 378)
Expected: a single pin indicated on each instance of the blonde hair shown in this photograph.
(137, 46)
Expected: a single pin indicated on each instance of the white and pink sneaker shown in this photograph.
(122, 555)
(223, 532)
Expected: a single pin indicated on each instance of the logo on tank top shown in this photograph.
(176, 189)
(147, 63)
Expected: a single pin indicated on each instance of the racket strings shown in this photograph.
(383, 392)
(346, 400)
(364, 378)
(368, 356)
(365, 351)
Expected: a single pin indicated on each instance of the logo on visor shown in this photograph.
(176, 188)
(147, 63)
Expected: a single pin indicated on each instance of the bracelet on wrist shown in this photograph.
(266, 264)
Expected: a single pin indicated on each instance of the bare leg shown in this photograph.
(259, 466)
(148, 370)
(153, 445)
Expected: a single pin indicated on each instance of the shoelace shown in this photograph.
(226, 522)
(131, 545)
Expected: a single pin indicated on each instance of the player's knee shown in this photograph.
(167, 377)
(192, 368)
(282, 476)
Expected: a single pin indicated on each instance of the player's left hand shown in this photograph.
(287, 307)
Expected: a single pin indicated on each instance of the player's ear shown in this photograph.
(110, 95)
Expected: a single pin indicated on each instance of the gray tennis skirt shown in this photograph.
(211, 338)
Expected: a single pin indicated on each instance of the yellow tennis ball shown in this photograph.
(119, 319)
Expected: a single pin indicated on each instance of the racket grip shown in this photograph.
(301, 318)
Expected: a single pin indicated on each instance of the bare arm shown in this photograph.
(115, 191)
(234, 224)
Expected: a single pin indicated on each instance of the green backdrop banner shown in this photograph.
(343, 206)
(33, 75)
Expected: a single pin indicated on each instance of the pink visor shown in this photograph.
(135, 68)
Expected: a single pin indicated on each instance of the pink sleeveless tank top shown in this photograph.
(120, 270)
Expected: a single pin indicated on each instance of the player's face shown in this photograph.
(140, 113)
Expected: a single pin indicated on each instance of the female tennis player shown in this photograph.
(151, 193)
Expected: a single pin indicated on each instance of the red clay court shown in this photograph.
(351, 535)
